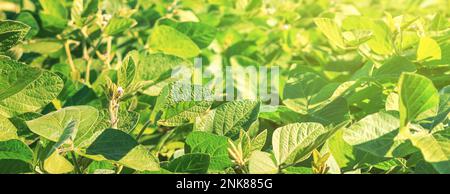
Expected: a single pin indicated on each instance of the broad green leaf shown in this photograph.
(51, 126)
(300, 90)
(157, 67)
(259, 141)
(380, 42)
(11, 33)
(294, 142)
(15, 150)
(101, 167)
(439, 22)
(435, 149)
(82, 9)
(190, 163)
(391, 164)
(202, 34)
(334, 112)
(68, 135)
(428, 50)
(54, 15)
(15, 157)
(160, 69)
(214, 145)
(229, 118)
(281, 115)
(348, 157)
(43, 46)
(182, 103)
(7, 129)
(392, 103)
(330, 29)
(118, 146)
(376, 134)
(393, 68)
(127, 73)
(128, 120)
(57, 164)
(117, 25)
(357, 37)
(171, 41)
(418, 96)
(28, 19)
(25, 89)
(262, 163)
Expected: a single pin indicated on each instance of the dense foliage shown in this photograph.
(85, 86)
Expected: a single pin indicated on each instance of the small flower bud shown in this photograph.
(120, 91)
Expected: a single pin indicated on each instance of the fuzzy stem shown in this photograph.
(74, 72)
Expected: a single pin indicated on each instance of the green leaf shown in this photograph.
(349, 157)
(418, 98)
(68, 135)
(118, 146)
(300, 90)
(294, 142)
(380, 42)
(158, 67)
(128, 120)
(202, 34)
(330, 29)
(52, 126)
(376, 134)
(11, 33)
(7, 129)
(439, 22)
(82, 9)
(54, 15)
(15, 157)
(214, 145)
(428, 49)
(262, 163)
(57, 164)
(435, 149)
(117, 25)
(334, 112)
(24, 88)
(297, 170)
(259, 141)
(393, 68)
(229, 118)
(15, 150)
(101, 167)
(171, 41)
(189, 163)
(127, 73)
(43, 46)
(182, 103)
(27, 18)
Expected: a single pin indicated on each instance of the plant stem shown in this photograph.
(74, 72)
(88, 72)
(141, 132)
(75, 163)
(108, 52)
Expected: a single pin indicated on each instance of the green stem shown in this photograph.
(108, 52)
(75, 163)
(141, 132)
(119, 169)
(74, 72)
